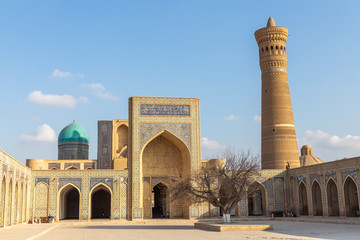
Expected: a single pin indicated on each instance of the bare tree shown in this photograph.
(222, 184)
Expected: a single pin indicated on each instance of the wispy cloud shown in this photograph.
(257, 118)
(231, 117)
(99, 90)
(62, 74)
(210, 144)
(54, 100)
(43, 133)
(325, 140)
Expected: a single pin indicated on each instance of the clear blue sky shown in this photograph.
(65, 60)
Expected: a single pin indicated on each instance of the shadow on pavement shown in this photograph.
(137, 227)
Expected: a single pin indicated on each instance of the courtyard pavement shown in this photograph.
(313, 228)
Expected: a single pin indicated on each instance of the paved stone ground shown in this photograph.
(179, 230)
(24, 231)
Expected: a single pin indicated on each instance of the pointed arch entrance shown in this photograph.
(303, 203)
(256, 200)
(100, 202)
(351, 198)
(163, 156)
(69, 202)
(332, 198)
(160, 201)
(316, 199)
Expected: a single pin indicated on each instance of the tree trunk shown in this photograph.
(226, 217)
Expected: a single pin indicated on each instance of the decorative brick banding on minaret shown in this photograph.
(278, 138)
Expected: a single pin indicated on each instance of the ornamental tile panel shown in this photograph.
(107, 181)
(54, 165)
(348, 172)
(330, 174)
(64, 181)
(39, 180)
(301, 178)
(315, 176)
(149, 130)
(159, 109)
(77, 165)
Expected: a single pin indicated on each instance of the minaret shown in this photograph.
(278, 138)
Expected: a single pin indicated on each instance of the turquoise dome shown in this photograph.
(73, 133)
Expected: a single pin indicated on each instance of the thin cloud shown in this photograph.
(231, 117)
(62, 74)
(325, 140)
(99, 90)
(54, 100)
(210, 144)
(43, 133)
(257, 118)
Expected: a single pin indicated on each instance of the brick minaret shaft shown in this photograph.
(278, 138)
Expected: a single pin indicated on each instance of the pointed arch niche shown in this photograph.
(163, 156)
(2, 202)
(332, 198)
(316, 198)
(303, 202)
(9, 205)
(16, 203)
(122, 137)
(351, 198)
(41, 200)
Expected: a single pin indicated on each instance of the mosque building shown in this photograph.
(136, 157)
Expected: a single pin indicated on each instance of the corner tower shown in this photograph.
(278, 138)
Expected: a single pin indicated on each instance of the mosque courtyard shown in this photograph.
(302, 228)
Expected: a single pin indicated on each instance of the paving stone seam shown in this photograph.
(42, 233)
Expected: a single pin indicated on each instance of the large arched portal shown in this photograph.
(332, 198)
(316, 198)
(164, 156)
(69, 203)
(256, 200)
(101, 202)
(351, 198)
(303, 203)
(160, 205)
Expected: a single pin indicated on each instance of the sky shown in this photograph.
(80, 60)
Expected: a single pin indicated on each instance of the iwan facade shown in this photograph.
(137, 156)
